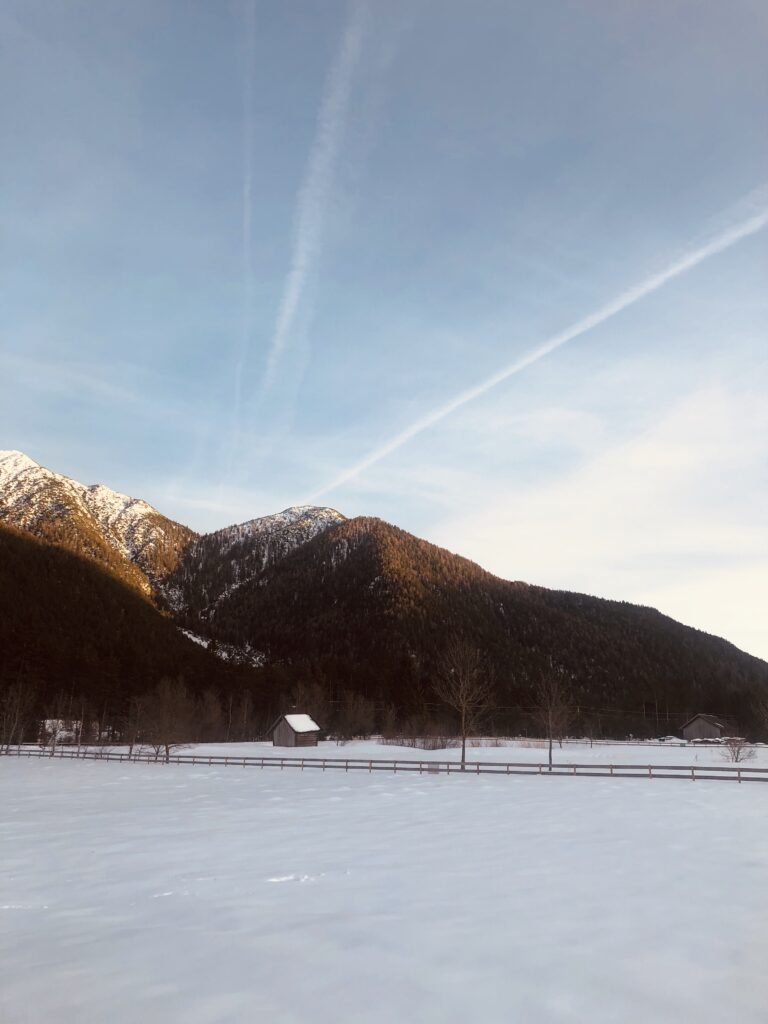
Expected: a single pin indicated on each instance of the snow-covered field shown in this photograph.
(529, 752)
(214, 895)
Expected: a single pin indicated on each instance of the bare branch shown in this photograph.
(465, 685)
(552, 705)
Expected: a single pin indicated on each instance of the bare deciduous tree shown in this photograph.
(465, 685)
(16, 707)
(210, 718)
(736, 749)
(389, 722)
(355, 717)
(244, 726)
(761, 715)
(552, 705)
(134, 722)
(312, 698)
(168, 717)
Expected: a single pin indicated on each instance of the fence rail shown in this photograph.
(726, 772)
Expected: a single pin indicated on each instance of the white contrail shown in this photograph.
(627, 298)
(316, 187)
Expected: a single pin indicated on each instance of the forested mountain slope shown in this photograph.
(369, 607)
(217, 563)
(69, 630)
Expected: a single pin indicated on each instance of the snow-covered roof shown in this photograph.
(302, 723)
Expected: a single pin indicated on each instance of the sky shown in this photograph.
(492, 271)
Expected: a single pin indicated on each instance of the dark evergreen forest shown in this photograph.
(77, 638)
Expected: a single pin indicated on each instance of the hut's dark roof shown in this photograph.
(711, 719)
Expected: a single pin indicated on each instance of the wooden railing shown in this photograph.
(711, 772)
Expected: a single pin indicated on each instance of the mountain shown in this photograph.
(72, 631)
(333, 611)
(366, 607)
(125, 535)
(214, 565)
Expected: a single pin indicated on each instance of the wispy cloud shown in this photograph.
(316, 188)
(661, 518)
(78, 381)
(724, 240)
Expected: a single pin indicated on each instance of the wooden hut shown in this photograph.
(703, 727)
(294, 730)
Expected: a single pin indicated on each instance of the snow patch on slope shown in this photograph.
(243, 655)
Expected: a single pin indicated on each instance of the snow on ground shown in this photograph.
(157, 893)
(534, 751)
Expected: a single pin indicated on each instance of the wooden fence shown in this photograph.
(726, 772)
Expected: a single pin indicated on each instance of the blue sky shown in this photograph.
(246, 247)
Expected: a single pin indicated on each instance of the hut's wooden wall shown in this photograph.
(701, 729)
(306, 739)
(283, 735)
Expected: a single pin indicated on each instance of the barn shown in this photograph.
(294, 730)
(703, 727)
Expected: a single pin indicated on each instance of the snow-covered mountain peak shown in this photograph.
(36, 499)
(305, 521)
(220, 562)
(134, 540)
(22, 479)
(324, 517)
(13, 461)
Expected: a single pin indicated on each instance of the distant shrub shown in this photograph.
(736, 749)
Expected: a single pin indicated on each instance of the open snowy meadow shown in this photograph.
(146, 892)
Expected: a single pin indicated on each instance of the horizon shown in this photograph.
(499, 279)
